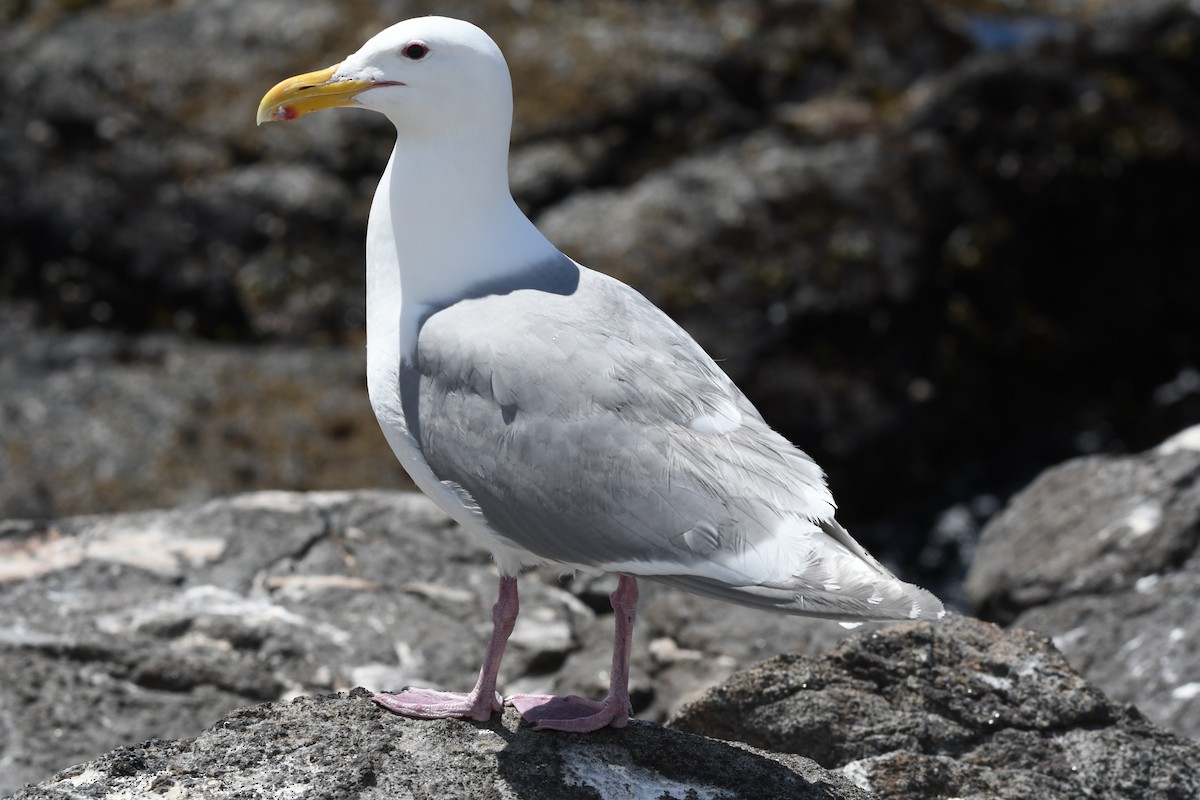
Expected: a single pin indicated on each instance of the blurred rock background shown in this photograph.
(940, 244)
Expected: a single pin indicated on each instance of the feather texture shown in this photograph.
(566, 409)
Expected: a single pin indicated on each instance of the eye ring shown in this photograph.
(415, 50)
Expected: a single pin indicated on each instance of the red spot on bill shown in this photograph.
(284, 113)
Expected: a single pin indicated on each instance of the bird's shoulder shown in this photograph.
(601, 346)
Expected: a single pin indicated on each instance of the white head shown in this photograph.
(443, 215)
(428, 74)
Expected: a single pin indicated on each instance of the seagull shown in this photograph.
(552, 410)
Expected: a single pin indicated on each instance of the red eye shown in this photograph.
(415, 51)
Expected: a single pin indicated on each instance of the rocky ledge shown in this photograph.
(958, 709)
(1103, 554)
(345, 747)
(157, 625)
(162, 625)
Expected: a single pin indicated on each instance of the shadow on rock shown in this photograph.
(639, 760)
(339, 746)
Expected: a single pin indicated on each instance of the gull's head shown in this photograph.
(424, 73)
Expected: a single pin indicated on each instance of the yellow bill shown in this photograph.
(310, 92)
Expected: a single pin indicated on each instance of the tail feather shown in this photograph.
(900, 601)
(826, 574)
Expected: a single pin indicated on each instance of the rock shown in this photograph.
(1102, 554)
(96, 422)
(952, 709)
(1095, 525)
(958, 708)
(345, 747)
(129, 627)
(160, 623)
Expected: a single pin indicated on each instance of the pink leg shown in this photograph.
(480, 702)
(577, 714)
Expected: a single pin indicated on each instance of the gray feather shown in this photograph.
(564, 404)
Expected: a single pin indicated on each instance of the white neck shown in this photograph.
(439, 225)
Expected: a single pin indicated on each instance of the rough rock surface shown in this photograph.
(956, 709)
(345, 747)
(960, 708)
(1103, 554)
(95, 421)
(116, 629)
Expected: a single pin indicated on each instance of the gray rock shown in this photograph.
(153, 625)
(156, 624)
(1102, 554)
(959, 708)
(96, 422)
(346, 747)
(1093, 525)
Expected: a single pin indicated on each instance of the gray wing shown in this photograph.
(591, 430)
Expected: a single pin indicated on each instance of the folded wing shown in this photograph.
(592, 431)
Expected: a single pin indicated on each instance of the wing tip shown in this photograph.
(886, 601)
(925, 604)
